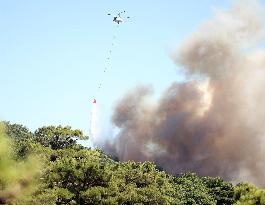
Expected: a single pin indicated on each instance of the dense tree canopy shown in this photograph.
(16, 177)
(64, 172)
(58, 137)
(246, 193)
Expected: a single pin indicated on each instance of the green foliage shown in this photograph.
(193, 190)
(93, 178)
(248, 194)
(221, 191)
(21, 138)
(18, 132)
(58, 137)
(16, 177)
(74, 174)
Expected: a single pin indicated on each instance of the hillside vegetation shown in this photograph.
(48, 167)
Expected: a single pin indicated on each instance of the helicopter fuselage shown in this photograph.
(117, 19)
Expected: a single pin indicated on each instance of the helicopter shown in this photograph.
(118, 19)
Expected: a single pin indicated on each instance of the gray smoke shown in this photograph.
(215, 125)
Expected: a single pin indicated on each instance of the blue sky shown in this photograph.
(53, 54)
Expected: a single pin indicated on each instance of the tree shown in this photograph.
(16, 177)
(74, 174)
(193, 190)
(248, 194)
(18, 132)
(21, 139)
(58, 137)
(221, 191)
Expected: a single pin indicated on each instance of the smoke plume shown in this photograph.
(214, 125)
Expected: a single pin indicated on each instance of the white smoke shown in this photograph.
(94, 123)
